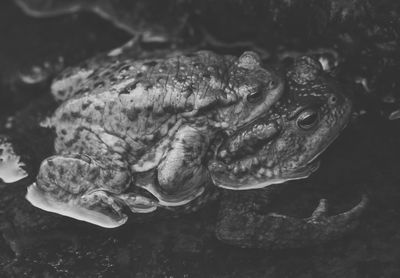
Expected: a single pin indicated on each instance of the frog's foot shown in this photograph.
(275, 231)
(138, 203)
(99, 208)
(103, 201)
(72, 186)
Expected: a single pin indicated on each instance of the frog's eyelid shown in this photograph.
(313, 106)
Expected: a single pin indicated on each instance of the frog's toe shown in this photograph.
(137, 203)
(320, 226)
(104, 209)
(320, 215)
(343, 221)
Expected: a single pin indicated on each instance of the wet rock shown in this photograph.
(363, 32)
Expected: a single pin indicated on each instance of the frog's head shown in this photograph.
(252, 90)
(284, 144)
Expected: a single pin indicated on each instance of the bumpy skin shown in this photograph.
(150, 124)
(147, 121)
(173, 126)
(283, 146)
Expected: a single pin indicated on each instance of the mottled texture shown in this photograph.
(126, 124)
(365, 154)
(283, 144)
(151, 122)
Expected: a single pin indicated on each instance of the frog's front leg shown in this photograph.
(79, 187)
(181, 175)
(242, 223)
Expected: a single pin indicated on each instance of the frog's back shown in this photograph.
(115, 73)
(140, 102)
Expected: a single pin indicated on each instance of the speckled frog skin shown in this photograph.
(124, 119)
(302, 124)
(176, 125)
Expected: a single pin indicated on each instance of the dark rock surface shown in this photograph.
(365, 158)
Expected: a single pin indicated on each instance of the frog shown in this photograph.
(299, 127)
(306, 121)
(139, 135)
(150, 123)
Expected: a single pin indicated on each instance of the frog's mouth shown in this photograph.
(271, 152)
(257, 171)
(258, 176)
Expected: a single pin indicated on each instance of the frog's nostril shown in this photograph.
(333, 100)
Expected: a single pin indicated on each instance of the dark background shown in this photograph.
(365, 158)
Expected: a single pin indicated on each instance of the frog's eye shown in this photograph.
(255, 95)
(307, 119)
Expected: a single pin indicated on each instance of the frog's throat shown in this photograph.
(226, 181)
(71, 208)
